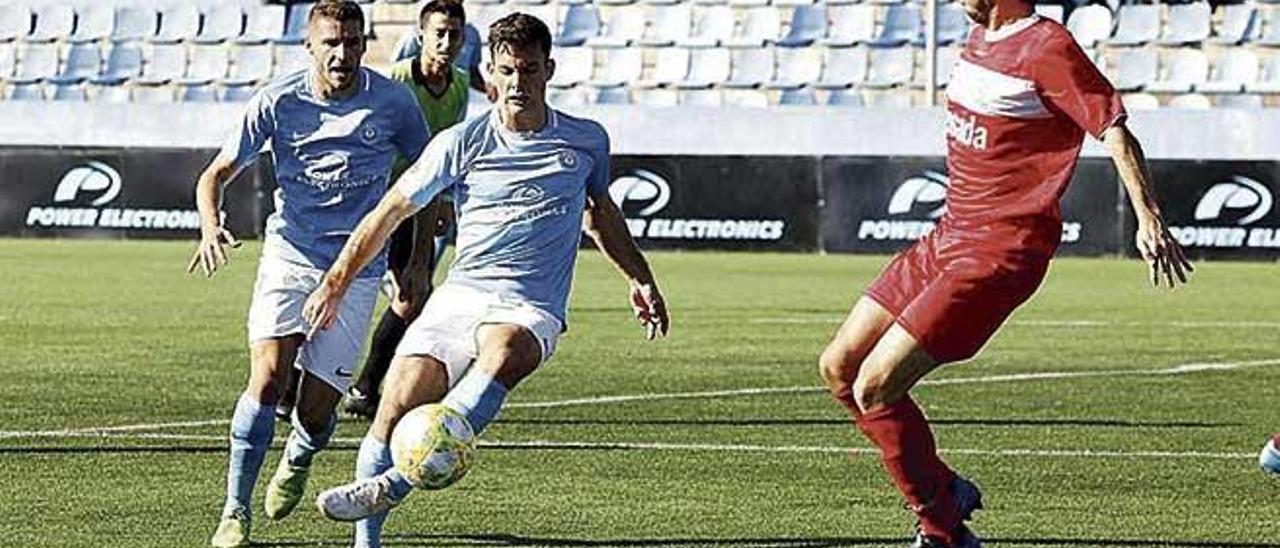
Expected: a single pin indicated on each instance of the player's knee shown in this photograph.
(869, 392)
(835, 367)
(511, 355)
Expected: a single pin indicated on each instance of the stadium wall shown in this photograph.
(809, 178)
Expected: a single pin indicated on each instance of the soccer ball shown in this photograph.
(432, 446)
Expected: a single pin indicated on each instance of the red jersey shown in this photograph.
(1018, 105)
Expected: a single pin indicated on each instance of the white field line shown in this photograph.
(1046, 375)
(738, 448)
(834, 319)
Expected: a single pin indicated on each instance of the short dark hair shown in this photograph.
(338, 10)
(450, 8)
(519, 31)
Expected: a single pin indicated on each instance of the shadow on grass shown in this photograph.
(502, 540)
(1031, 423)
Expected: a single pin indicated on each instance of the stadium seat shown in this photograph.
(547, 13)
(166, 63)
(745, 98)
(625, 25)
(850, 24)
(1090, 24)
(670, 66)
(133, 22)
(808, 25)
(263, 23)
(748, 3)
(67, 92)
(83, 61)
(946, 60)
(295, 24)
(8, 60)
(668, 25)
(15, 21)
(1132, 69)
(483, 15)
(895, 99)
(581, 22)
(1050, 11)
(289, 58)
(178, 23)
(612, 96)
(701, 97)
(152, 94)
(208, 63)
(1181, 71)
(1193, 101)
(1239, 100)
(845, 98)
(251, 63)
(109, 93)
(38, 62)
(902, 23)
(1188, 24)
(222, 22)
(889, 67)
(750, 67)
(26, 91)
(1270, 35)
(1268, 77)
(93, 22)
(54, 21)
(573, 66)
(1236, 23)
(196, 93)
(1140, 101)
(568, 98)
(760, 26)
(797, 97)
(842, 67)
(235, 93)
(124, 61)
(656, 97)
(1234, 71)
(707, 67)
(953, 25)
(712, 26)
(1136, 24)
(797, 67)
(617, 67)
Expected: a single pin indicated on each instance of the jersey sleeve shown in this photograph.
(439, 167)
(599, 182)
(1073, 85)
(252, 131)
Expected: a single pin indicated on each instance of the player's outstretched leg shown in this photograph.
(313, 425)
(1269, 459)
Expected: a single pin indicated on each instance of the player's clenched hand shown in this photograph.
(210, 253)
(322, 306)
(650, 309)
(1162, 253)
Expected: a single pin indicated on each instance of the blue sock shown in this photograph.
(374, 458)
(252, 426)
(303, 446)
(478, 396)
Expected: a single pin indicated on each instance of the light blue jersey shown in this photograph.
(519, 199)
(332, 159)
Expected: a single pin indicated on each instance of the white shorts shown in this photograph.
(446, 328)
(279, 294)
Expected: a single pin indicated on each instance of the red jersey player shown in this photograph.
(1021, 98)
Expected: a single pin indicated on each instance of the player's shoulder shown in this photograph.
(1050, 34)
(584, 129)
(469, 131)
(283, 85)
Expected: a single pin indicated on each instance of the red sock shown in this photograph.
(910, 456)
(845, 396)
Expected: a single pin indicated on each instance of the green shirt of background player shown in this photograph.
(442, 91)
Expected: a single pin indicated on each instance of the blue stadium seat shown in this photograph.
(612, 96)
(850, 24)
(39, 62)
(760, 27)
(1137, 24)
(192, 92)
(1236, 24)
(295, 24)
(67, 92)
(26, 91)
(1090, 24)
(15, 21)
(953, 25)
(222, 22)
(618, 67)
(797, 67)
(889, 67)
(1240, 100)
(251, 63)
(94, 22)
(109, 93)
(842, 67)
(707, 67)
(750, 67)
(670, 66)
(124, 62)
(152, 94)
(1181, 71)
(83, 61)
(581, 22)
(54, 21)
(808, 24)
(845, 98)
(1188, 24)
(289, 59)
(1234, 71)
(625, 25)
(134, 23)
(178, 23)
(712, 26)
(573, 66)
(235, 93)
(797, 97)
(1132, 69)
(167, 62)
(902, 23)
(263, 22)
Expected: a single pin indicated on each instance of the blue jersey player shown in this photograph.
(521, 177)
(334, 130)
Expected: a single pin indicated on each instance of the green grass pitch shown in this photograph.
(1105, 413)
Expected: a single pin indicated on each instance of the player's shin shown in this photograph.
(303, 445)
(252, 426)
(373, 459)
(910, 456)
(478, 396)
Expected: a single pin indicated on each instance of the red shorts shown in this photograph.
(952, 293)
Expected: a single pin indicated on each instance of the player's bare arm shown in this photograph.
(1161, 251)
(211, 252)
(369, 238)
(606, 226)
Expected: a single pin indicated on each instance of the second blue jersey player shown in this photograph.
(524, 178)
